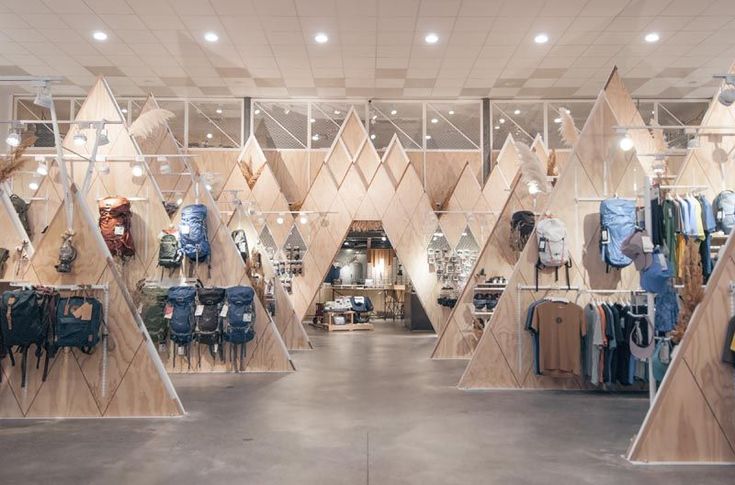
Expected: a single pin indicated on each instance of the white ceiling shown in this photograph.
(376, 47)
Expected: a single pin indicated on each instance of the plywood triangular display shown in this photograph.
(128, 379)
(267, 352)
(460, 336)
(597, 168)
(13, 237)
(692, 418)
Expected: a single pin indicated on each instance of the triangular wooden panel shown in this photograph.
(458, 340)
(79, 385)
(395, 161)
(13, 237)
(583, 177)
(693, 416)
(252, 155)
(266, 352)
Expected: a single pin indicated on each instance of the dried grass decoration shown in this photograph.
(149, 122)
(251, 177)
(567, 129)
(533, 171)
(692, 293)
(13, 161)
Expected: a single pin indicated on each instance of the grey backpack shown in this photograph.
(553, 252)
(724, 209)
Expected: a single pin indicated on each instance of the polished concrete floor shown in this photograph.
(363, 408)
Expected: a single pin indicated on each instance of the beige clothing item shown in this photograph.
(560, 327)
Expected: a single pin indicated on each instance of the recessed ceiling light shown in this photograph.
(337, 112)
(124, 110)
(211, 37)
(372, 137)
(497, 127)
(434, 120)
(431, 38)
(218, 111)
(541, 38)
(315, 137)
(652, 37)
(321, 38)
(428, 137)
(394, 112)
(99, 35)
(257, 111)
(501, 120)
(517, 112)
(312, 120)
(451, 111)
(209, 136)
(557, 120)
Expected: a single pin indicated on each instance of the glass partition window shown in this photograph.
(215, 124)
(26, 110)
(454, 126)
(523, 120)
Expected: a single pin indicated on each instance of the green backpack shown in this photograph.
(153, 302)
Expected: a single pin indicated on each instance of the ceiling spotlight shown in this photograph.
(393, 112)
(347, 243)
(208, 186)
(375, 117)
(209, 136)
(517, 112)
(257, 111)
(541, 38)
(431, 38)
(434, 120)
(652, 37)
(497, 127)
(626, 143)
(337, 112)
(304, 219)
(727, 95)
(557, 120)
(179, 201)
(383, 238)
(42, 168)
(124, 111)
(501, 120)
(280, 219)
(137, 170)
(13, 138)
(211, 37)
(99, 35)
(218, 111)
(321, 38)
(33, 184)
(428, 137)
(43, 97)
(372, 136)
(312, 120)
(80, 139)
(451, 112)
(533, 188)
(315, 137)
(103, 139)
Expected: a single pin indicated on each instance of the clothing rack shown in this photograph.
(696, 188)
(600, 199)
(548, 288)
(68, 287)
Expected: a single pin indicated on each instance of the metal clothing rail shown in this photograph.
(615, 290)
(130, 199)
(548, 288)
(68, 287)
(690, 187)
(465, 212)
(600, 199)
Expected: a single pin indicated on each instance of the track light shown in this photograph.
(280, 219)
(103, 139)
(80, 139)
(34, 184)
(13, 138)
(179, 201)
(137, 169)
(42, 168)
(533, 188)
(103, 167)
(43, 97)
(304, 219)
(626, 143)
(163, 166)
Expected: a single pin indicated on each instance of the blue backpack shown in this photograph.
(617, 222)
(724, 211)
(193, 237)
(180, 301)
(239, 324)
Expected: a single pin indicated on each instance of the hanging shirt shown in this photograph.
(695, 216)
(534, 336)
(594, 342)
(560, 327)
(669, 231)
(708, 216)
(684, 216)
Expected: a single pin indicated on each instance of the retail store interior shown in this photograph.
(367, 241)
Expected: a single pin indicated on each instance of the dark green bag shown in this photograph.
(153, 302)
(21, 207)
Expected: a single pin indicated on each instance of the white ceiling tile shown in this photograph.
(130, 22)
(721, 7)
(275, 8)
(233, 7)
(687, 7)
(396, 24)
(480, 8)
(439, 8)
(25, 6)
(108, 7)
(162, 22)
(67, 6)
(595, 8)
(554, 8)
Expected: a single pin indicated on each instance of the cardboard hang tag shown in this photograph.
(184, 229)
(119, 230)
(168, 311)
(223, 313)
(199, 311)
(247, 317)
(83, 312)
(647, 244)
(662, 261)
(604, 237)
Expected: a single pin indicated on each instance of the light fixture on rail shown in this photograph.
(43, 97)
(13, 138)
(727, 95)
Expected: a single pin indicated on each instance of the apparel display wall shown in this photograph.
(692, 418)
(458, 339)
(503, 355)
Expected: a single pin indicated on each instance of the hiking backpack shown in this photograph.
(4, 256)
(169, 252)
(617, 222)
(239, 322)
(115, 222)
(21, 208)
(521, 227)
(67, 254)
(26, 317)
(180, 313)
(153, 303)
(193, 233)
(241, 241)
(724, 209)
(77, 324)
(208, 329)
(553, 252)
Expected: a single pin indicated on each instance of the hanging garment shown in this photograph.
(728, 354)
(560, 327)
(667, 309)
(534, 334)
(669, 231)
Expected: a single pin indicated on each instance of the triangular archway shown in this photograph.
(596, 169)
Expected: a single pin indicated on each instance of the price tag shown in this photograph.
(647, 244)
(542, 245)
(162, 347)
(223, 313)
(216, 346)
(180, 350)
(604, 237)
(662, 261)
(184, 229)
(119, 230)
(719, 214)
(140, 308)
(247, 317)
(199, 311)
(168, 311)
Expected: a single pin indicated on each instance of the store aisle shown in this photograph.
(363, 408)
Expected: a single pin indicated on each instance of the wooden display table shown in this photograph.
(348, 326)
